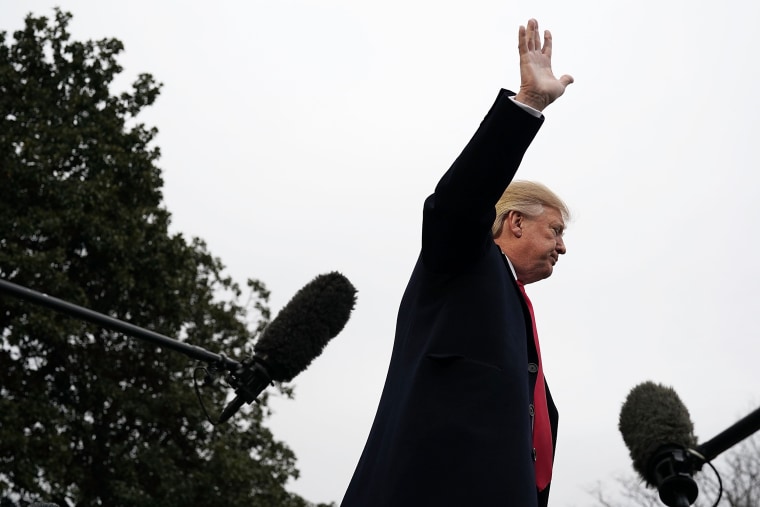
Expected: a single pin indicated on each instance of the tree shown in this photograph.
(739, 469)
(89, 416)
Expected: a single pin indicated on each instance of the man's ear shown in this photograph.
(514, 221)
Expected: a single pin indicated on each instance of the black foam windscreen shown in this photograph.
(299, 333)
(651, 418)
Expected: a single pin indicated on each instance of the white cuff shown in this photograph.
(534, 112)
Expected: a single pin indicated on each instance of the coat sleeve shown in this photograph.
(457, 218)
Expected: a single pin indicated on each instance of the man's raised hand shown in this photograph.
(538, 86)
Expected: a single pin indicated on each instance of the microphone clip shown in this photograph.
(671, 469)
(250, 379)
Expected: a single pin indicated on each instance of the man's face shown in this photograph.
(539, 245)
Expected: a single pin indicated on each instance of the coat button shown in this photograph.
(532, 367)
(533, 454)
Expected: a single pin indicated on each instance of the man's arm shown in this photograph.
(458, 217)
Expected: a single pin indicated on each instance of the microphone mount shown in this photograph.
(671, 470)
(248, 380)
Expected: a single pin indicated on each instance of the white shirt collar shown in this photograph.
(511, 267)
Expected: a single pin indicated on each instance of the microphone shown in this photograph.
(657, 429)
(299, 333)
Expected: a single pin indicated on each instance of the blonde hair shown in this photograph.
(529, 198)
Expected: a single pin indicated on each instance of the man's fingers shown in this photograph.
(547, 49)
(534, 39)
(529, 38)
(566, 79)
(522, 45)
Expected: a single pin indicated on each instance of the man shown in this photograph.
(464, 392)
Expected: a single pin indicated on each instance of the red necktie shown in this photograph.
(542, 429)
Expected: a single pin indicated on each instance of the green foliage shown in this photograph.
(89, 416)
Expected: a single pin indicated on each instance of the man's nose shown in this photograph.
(561, 248)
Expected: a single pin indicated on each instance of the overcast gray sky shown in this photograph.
(300, 137)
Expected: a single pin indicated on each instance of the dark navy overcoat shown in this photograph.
(453, 426)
